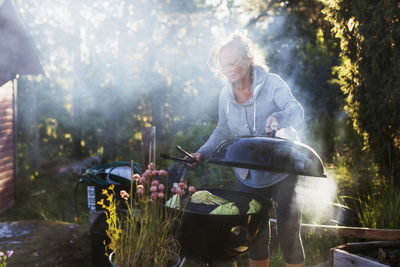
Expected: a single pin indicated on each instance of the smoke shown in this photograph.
(146, 59)
(126, 53)
(316, 196)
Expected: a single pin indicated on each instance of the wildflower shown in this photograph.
(161, 187)
(153, 236)
(124, 194)
(151, 166)
(163, 173)
(153, 188)
(146, 176)
(155, 182)
(101, 202)
(179, 191)
(154, 195)
(192, 189)
(182, 185)
(140, 189)
(136, 177)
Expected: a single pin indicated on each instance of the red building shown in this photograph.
(17, 57)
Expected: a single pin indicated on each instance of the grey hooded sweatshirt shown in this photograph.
(271, 96)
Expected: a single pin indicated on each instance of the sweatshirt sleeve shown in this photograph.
(222, 130)
(291, 112)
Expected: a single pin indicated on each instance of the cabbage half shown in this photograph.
(226, 209)
(205, 197)
(254, 206)
(174, 202)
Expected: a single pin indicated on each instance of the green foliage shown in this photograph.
(381, 209)
(316, 247)
(49, 196)
(119, 75)
(369, 74)
(354, 169)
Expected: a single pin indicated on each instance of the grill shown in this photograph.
(207, 238)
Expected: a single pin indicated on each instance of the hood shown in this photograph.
(259, 79)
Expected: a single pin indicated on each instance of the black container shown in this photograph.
(207, 238)
(98, 239)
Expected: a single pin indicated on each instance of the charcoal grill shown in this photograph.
(208, 238)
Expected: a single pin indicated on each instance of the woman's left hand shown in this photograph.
(271, 125)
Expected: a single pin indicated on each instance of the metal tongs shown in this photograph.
(185, 152)
(191, 159)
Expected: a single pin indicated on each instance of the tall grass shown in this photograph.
(381, 209)
(362, 188)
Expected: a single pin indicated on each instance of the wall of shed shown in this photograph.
(7, 146)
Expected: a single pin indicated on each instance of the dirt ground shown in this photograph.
(39, 243)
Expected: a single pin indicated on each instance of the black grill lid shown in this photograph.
(268, 154)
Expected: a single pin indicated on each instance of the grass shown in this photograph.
(381, 209)
(49, 196)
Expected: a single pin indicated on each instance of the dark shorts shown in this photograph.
(288, 214)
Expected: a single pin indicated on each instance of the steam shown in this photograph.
(316, 196)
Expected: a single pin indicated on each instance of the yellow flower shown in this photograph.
(110, 197)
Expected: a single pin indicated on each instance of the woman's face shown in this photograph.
(234, 66)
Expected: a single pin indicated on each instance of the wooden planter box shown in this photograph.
(366, 254)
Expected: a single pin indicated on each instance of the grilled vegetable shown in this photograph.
(226, 209)
(174, 202)
(205, 197)
(254, 206)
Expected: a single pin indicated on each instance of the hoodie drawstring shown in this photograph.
(254, 115)
(227, 107)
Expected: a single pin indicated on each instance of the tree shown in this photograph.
(369, 74)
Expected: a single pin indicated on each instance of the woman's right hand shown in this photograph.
(197, 156)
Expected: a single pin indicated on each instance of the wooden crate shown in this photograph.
(365, 254)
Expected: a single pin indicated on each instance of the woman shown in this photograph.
(252, 102)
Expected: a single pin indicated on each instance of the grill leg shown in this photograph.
(234, 264)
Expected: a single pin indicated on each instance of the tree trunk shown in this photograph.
(77, 90)
(119, 81)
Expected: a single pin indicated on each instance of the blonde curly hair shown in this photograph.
(244, 45)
